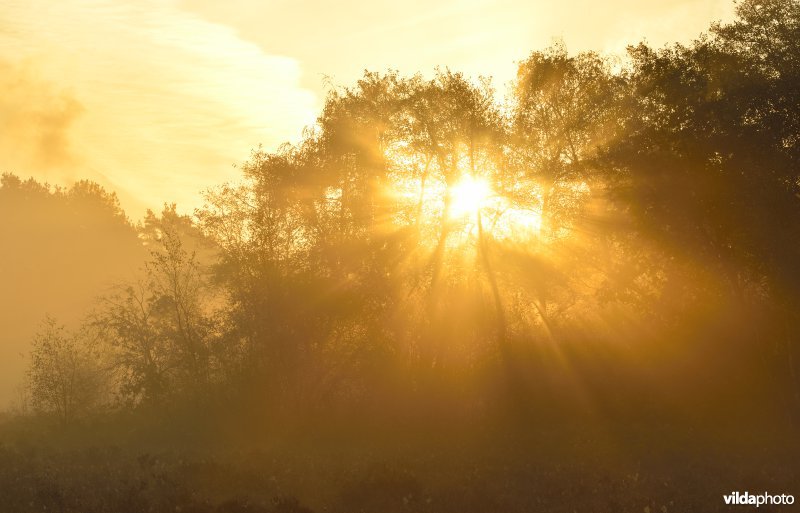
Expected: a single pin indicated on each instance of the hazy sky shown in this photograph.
(158, 99)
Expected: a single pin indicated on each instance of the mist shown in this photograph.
(577, 294)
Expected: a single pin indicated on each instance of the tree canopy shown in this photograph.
(428, 242)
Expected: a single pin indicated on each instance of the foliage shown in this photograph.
(66, 377)
(613, 245)
(160, 330)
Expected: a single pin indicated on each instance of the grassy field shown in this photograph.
(553, 469)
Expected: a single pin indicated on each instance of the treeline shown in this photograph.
(59, 248)
(631, 249)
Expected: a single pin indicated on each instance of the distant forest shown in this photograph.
(611, 247)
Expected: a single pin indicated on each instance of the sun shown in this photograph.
(469, 196)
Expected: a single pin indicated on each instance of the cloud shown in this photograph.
(36, 119)
(162, 103)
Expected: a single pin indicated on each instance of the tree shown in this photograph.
(66, 377)
(60, 247)
(139, 354)
(706, 171)
(162, 329)
(564, 109)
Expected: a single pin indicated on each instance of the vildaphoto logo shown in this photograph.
(747, 498)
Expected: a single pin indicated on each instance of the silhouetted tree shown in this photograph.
(65, 376)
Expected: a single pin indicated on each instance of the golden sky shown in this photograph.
(157, 100)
